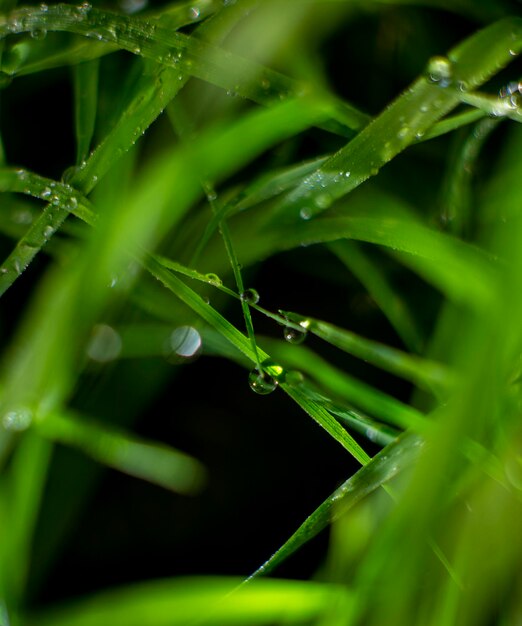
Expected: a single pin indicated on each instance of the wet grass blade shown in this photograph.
(384, 466)
(86, 101)
(422, 372)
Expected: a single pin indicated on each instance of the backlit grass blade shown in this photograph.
(187, 55)
(86, 101)
(370, 274)
(421, 371)
(468, 65)
(157, 463)
(385, 465)
(23, 484)
(205, 601)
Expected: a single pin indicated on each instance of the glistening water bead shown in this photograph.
(294, 336)
(261, 382)
(250, 296)
(440, 71)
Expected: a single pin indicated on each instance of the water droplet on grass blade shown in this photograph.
(104, 345)
(194, 13)
(183, 345)
(38, 33)
(440, 71)
(261, 382)
(294, 336)
(17, 419)
(250, 296)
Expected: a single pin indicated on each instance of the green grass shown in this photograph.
(213, 143)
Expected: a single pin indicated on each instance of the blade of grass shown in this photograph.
(385, 465)
(86, 101)
(151, 461)
(186, 602)
(468, 65)
(425, 373)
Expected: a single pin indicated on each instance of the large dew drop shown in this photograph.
(184, 345)
(261, 382)
(250, 296)
(294, 336)
(104, 344)
(440, 71)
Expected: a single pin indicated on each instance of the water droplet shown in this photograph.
(183, 345)
(46, 193)
(70, 173)
(17, 419)
(48, 232)
(439, 71)
(261, 382)
(194, 13)
(513, 53)
(54, 199)
(214, 279)
(72, 203)
(294, 378)
(403, 132)
(104, 344)
(250, 296)
(511, 95)
(38, 33)
(132, 6)
(294, 336)
(305, 213)
(84, 7)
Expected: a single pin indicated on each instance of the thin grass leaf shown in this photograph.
(205, 601)
(370, 274)
(384, 466)
(468, 65)
(461, 271)
(24, 484)
(151, 461)
(422, 372)
(86, 101)
(339, 384)
(186, 54)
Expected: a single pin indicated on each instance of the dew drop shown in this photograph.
(38, 33)
(70, 173)
(294, 335)
(72, 203)
(132, 6)
(17, 419)
(261, 382)
(183, 345)
(194, 13)
(439, 71)
(84, 7)
(48, 232)
(104, 344)
(214, 279)
(46, 193)
(305, 213)
(250, 296)
(294, 378)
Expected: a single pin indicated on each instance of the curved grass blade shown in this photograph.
(204, 601)
(389, 301)
(151, 461)
(186, 54)
(384, 466)
(420, 371)
(460, 270)
(468, 65)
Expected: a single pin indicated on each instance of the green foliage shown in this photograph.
(218, 148)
